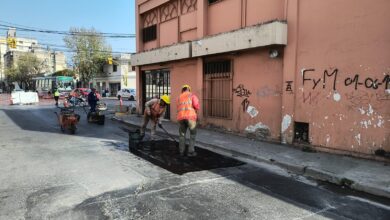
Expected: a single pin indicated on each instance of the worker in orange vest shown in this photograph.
(187, 108)
(154, 111)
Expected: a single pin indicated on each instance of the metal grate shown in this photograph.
(218, 85)
(156, 83)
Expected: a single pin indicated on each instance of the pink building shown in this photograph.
(310, 72)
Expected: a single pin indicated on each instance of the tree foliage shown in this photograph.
(64, 72)
(27, 67)
(90, 52)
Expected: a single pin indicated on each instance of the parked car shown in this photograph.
(80, 92)
(127, 93)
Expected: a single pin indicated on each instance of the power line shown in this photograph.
(24, 26)
(9, 24)
(68, 50)
(67, 33)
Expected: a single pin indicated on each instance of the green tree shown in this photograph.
(27, 67)
(64, 72)
(90, 52)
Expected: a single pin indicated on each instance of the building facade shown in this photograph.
(311, 72)
(119, 75)
(53, 61)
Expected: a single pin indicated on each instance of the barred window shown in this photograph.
(218, 83)
(149, 33)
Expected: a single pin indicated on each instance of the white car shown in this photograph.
(127, 93)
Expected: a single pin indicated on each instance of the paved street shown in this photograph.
(47, 174)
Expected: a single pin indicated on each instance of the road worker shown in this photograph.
(187, 109)
(56, 95)
(154, 111)
(93, 98)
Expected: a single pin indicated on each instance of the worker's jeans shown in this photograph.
(184, 125)
(147, 118)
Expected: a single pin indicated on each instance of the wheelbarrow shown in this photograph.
(68, 119)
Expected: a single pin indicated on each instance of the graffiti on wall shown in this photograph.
(267, 91)
(368, 82)
(242, 92)
(326, 76)
(310, 97)
(289, 87)
(245, 104)
(361, 98)
(329, 78)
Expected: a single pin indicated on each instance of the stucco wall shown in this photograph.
(349, 40)
(223, 16)
(256, 73)
(182, 73)
(333, 73)
(169, 32)
(255, 12)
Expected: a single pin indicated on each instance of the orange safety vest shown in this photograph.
(156, 110)
(185, 110)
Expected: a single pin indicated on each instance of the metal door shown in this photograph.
(156, 83)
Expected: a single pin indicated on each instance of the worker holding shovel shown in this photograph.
(154, 111)
(187, 107)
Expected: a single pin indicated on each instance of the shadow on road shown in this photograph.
(45, 120)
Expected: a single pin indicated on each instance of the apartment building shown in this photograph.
(52, 60)
(118, 75)
(307, 72)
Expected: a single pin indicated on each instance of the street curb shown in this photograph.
(307, 171)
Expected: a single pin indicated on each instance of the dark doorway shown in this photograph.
(301, 132)
(156, 83)
(114, 88)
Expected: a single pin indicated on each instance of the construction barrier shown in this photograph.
(22, 98)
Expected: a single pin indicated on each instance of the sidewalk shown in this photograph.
(359, 174)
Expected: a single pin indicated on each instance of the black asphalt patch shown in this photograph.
(165, 154)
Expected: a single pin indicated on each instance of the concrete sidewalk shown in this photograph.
(359, 174)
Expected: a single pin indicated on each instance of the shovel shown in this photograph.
(170, 136)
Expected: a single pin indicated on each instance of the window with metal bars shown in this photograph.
(218, 85)
(149, 33)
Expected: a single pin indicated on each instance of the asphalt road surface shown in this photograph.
(48, 174)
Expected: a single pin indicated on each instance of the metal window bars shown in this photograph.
(218, 86)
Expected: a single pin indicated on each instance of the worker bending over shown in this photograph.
(154, 111)
(187, 108)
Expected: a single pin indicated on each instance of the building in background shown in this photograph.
(309, 72)
(119, 75)
(53, 61)
(11, 47)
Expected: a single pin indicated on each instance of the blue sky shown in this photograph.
(116, 16)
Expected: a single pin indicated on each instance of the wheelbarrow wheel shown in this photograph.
(73, 129)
